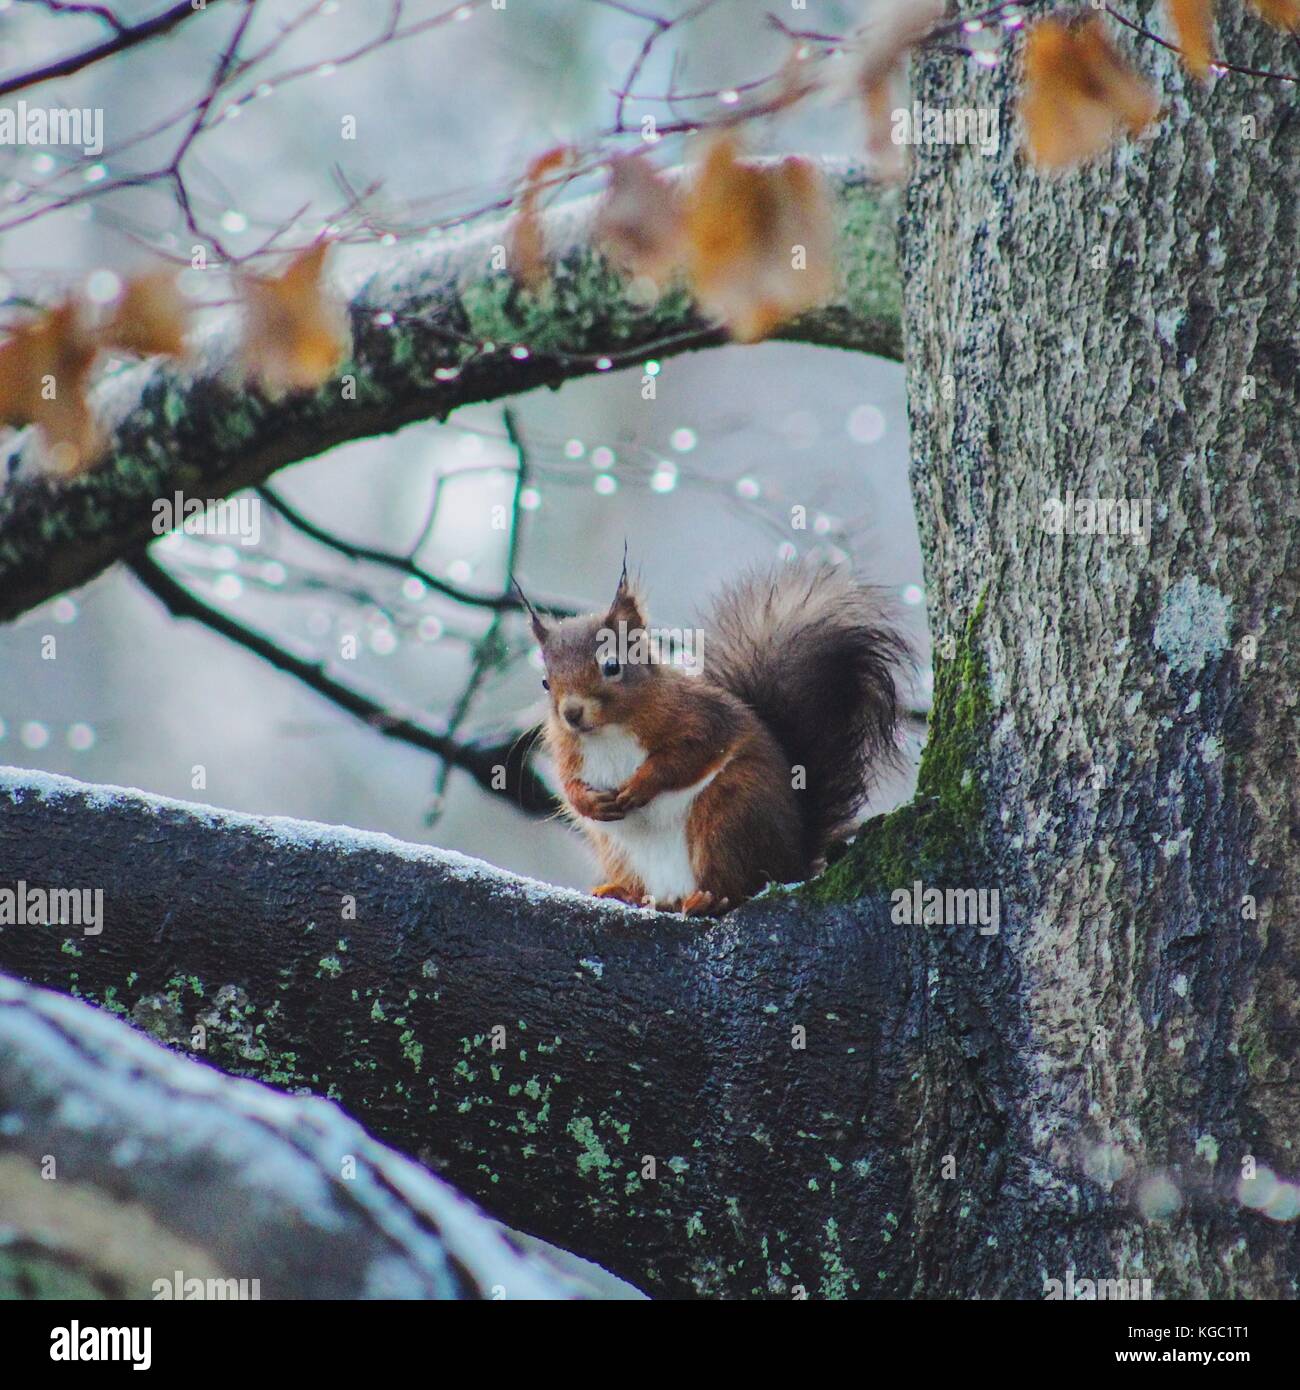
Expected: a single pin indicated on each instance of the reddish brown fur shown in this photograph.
(743, 830)
(747, 828)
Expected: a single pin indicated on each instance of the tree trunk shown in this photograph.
(1128, 331)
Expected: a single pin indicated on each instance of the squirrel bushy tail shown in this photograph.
(815, 655)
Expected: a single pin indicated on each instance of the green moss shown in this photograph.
(112, 1004)
(593, 1158)
(33, 1274)
(837, 1282)
(412, 1050)
(937, 835)
(583, 308)
(1262, 1063)
(870, 283)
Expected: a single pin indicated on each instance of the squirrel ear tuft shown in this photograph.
(627, 602)
(540, 630)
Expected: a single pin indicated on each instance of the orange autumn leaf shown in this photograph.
(44, 365)
(760, 239)
(1284, 14)
(526, 250)
(889, 29)
(1079, 93)
(295, 334)
(1193, 22)
(150, 317)
(639, 223)
(888, 159)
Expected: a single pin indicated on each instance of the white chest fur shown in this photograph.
(653, 839)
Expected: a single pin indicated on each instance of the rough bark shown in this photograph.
(438, 307)
(781, 1160)
(122, 1165)
(1128, 331)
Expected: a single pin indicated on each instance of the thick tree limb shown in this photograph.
(197, 429)
(534, 1046)
(122, 1164)
(805, 1096)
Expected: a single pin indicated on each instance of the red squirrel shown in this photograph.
(696, 791)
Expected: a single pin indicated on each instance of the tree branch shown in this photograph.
(402, 564)
(124, 37)
(722, 1109)
(435, 327)
(122, 1163)
(501, 769)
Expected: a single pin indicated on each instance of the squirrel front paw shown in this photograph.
(592, 804)
(629, 798)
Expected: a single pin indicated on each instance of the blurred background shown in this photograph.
(699, 480)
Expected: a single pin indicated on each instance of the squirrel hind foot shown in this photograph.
(621, 893)
(702, 903)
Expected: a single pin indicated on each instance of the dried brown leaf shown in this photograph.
(1079, 93)
(1282, 14)
(295, 335)
(1193, 22)
(150, 317)
(44, 366)
(888, 31)
(526, 250)
(760, 239)
(799, 77)
(639, 223)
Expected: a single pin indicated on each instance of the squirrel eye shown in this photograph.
(546, 685)
(610, 667)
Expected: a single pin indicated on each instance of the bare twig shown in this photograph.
(485, 762)
(401, 563)
(127, 37)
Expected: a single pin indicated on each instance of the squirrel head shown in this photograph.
(599, 666)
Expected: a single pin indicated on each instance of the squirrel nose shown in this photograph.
(573, 712)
